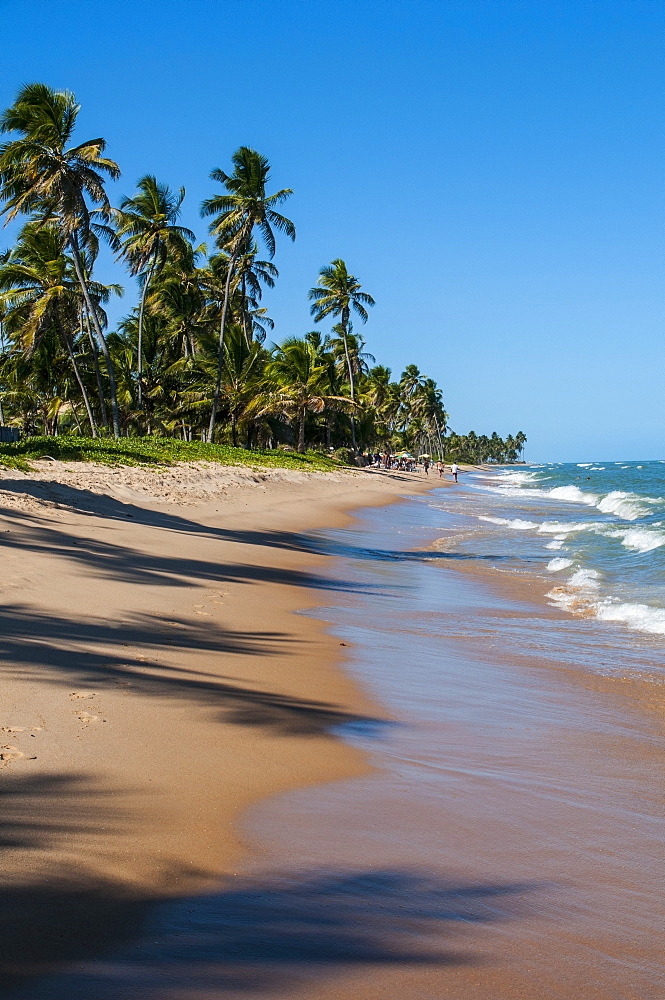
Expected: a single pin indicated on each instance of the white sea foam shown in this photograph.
(518, 478)
(641, 617)
(556, 565)
(580, 596)
(584, 465)
(580, 593)
(624, 505)
(597, 468)
(638, 539)
(573, 494)
(584, 579)
(516, 523)
(627, 506)
(563, 529)
(556, 543)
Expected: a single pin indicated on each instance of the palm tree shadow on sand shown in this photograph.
(75, 935)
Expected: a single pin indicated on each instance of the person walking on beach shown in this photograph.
(454, 468)
(440, 467)
(426, 464)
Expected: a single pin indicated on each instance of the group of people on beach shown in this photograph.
(441, 468)
(406, 463)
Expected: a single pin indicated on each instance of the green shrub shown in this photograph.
(344, 455)
(154, 451)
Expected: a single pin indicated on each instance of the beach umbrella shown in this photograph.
(424, 456)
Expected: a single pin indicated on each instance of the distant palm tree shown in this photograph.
(149, 237)
(251, 275)
(337, 293)
(238, 213)
(297, 383)
(40, 173)
(242, 376)
(179, 295)
(520, 441)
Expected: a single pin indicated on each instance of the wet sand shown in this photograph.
(508, 842)
(513, 843)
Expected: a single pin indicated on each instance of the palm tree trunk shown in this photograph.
(98, 374)
(77, 421)
(220, 360)
(139, 366)
(92, 312)
(345, 320)
(2, 348)
(353, 393)
(77, 373)
(243, 306)
(301, 431)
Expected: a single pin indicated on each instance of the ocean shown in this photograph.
(591, 534)
(600, 529)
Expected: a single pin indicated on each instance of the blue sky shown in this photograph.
(491, 171)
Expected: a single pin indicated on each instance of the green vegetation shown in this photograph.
(188, 362)
(154, 451)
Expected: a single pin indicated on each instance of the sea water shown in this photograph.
(595, 530)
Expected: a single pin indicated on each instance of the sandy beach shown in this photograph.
(179, 820)
(155, 683)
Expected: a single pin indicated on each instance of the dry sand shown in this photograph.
(155, 682)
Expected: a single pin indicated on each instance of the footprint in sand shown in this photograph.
(10, 753)
(81, 694)
(87, 717)
(13, 729)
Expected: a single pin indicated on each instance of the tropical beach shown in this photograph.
(332, 500)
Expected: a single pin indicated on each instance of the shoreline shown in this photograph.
(156, 683)
(482, 824)
(533, 587)
(538, 788)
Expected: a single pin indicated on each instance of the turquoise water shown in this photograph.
(595, 530)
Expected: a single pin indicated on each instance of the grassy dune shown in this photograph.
(153, 451)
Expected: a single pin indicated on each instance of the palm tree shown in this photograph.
(337, 293)
(40, 173)
(149, 237)
(242, 376)
(520, 441)
(385, 399)
(296, 382)
(251, 275)
(4, 257)
(238, 213)
(39, 293)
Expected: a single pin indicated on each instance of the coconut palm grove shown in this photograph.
(191, 361)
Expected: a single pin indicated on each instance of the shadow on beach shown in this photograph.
(77, 936)
(120, 562)
(86, 650)
(97, 653)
